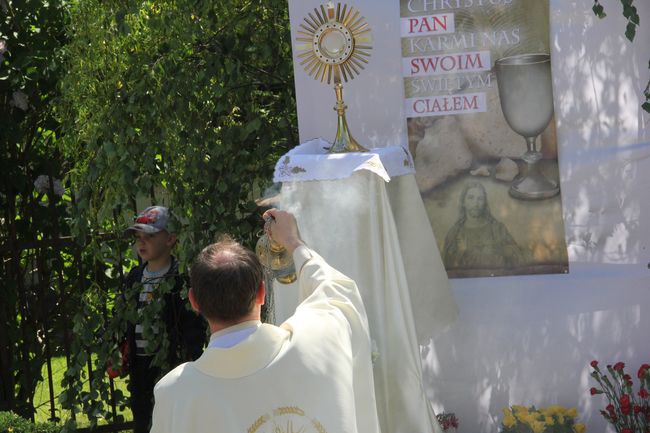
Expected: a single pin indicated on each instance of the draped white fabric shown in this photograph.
(310, 161)
(378, 234)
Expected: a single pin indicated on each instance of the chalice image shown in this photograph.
(275, 259)
(334, 44)
(526, 94)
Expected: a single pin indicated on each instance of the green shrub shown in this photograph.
(12, 423)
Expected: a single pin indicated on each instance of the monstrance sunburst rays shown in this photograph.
(334, 45)
(334, 41)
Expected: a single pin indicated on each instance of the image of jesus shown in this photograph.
(477, 240)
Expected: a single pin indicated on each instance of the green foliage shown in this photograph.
(633, 20)
(629, 12)
(187, 103)
(13, 423)
(31, 36)
(599, 10)
(182, 103)
(41, 396)
(179, 102)
(85, 385)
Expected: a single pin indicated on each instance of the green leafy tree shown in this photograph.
(187, 103)
(32, 200)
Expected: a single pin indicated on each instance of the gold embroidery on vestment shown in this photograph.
(286, 419)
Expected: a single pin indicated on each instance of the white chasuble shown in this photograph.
(311, 374)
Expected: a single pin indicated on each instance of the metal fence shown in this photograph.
(44, 274)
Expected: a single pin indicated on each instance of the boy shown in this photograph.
(146, 287)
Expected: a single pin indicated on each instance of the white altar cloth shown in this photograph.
(310, 161)
(378, 234)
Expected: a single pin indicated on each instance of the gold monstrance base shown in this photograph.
(333, 48)
(344, 141)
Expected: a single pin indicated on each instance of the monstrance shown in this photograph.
(335, 44)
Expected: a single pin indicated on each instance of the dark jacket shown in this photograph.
(186, 330)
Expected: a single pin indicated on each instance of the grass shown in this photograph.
(42, 395)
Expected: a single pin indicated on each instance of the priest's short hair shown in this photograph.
(225, 278)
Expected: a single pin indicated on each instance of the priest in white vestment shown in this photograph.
(311, 374)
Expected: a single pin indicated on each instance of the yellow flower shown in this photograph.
(538, 426)
(560, 419)
(506, 412)
(528, 418)
(572, 413)
(556, 409)
(519, 410)
(579, 428)
(509, 421)
(548, 419)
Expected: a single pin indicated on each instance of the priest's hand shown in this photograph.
(281, 226)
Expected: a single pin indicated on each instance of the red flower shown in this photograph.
(627, 430)
(643, 393)
(625, 404)
(619, 366)
(610, 408)
(642, 370)
(637, 409)
(595, 391)
(594, 363)
(628, 379)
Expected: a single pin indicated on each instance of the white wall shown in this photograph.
(529, 340)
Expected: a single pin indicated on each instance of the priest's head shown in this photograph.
(227, 284)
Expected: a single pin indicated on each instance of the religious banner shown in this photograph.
(479, 108)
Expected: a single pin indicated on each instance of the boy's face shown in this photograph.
(155, 246)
